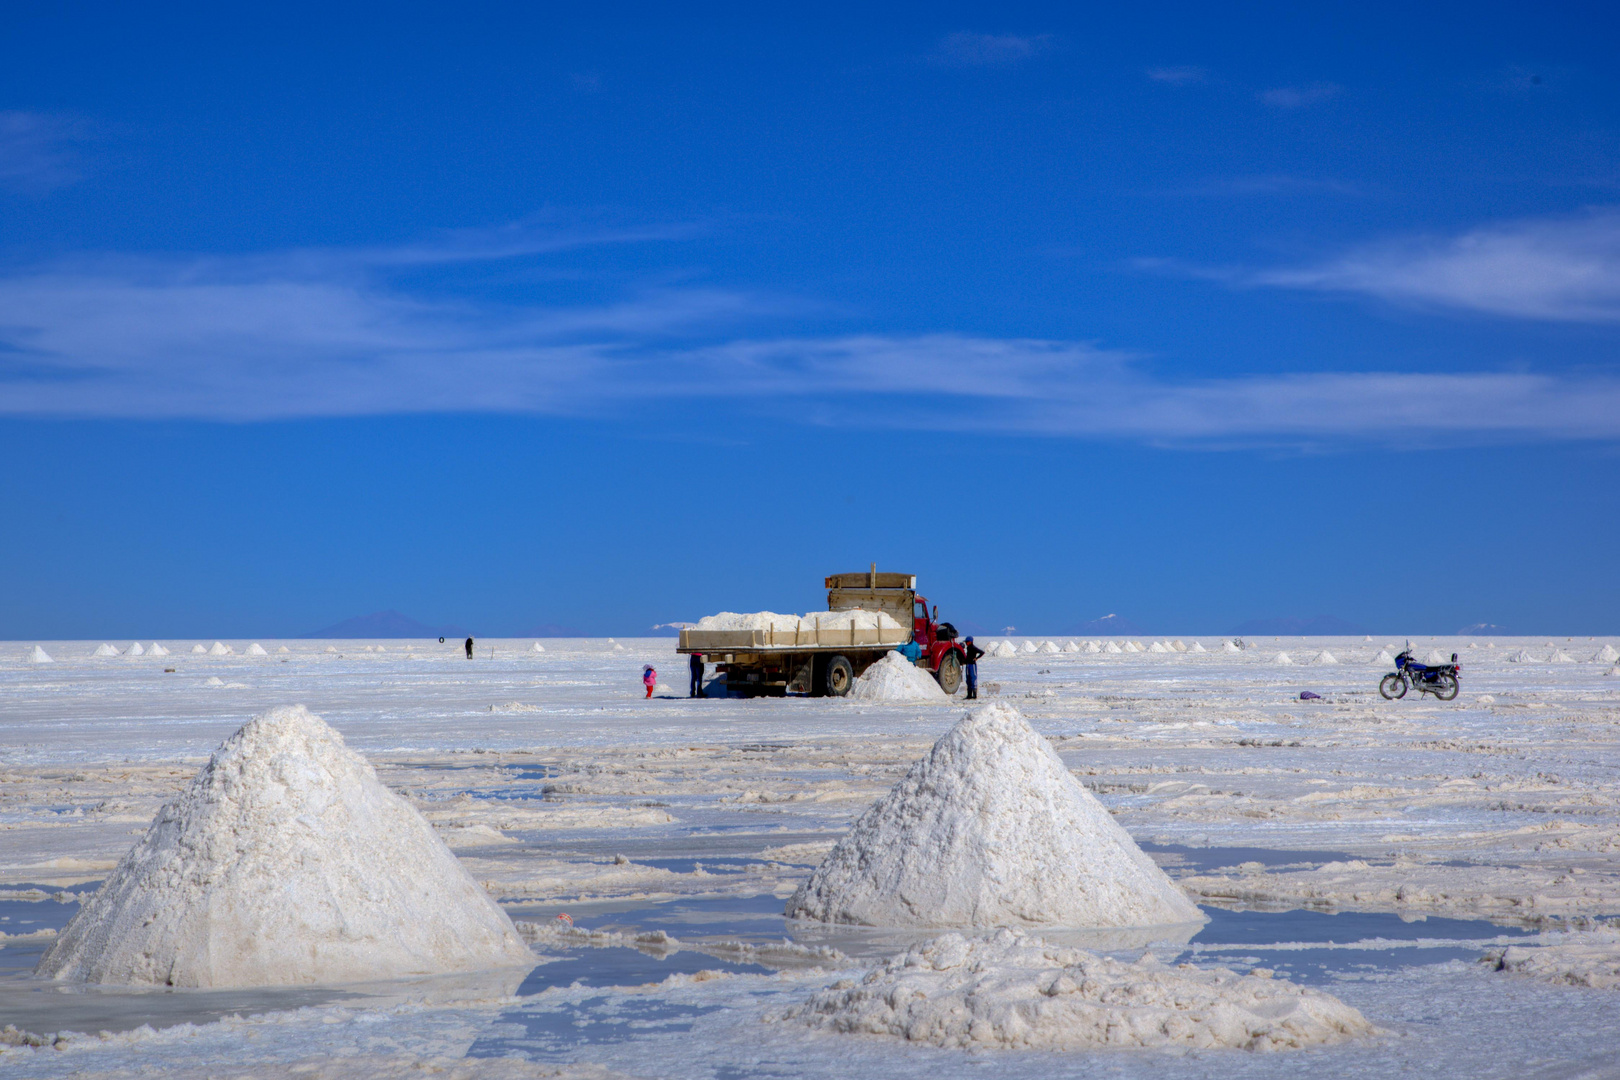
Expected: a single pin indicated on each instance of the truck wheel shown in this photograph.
(949, 673)
(839, 676)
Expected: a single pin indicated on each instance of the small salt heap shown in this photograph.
(1160, 647)
(538, 647)
(1559, 656)
(1049, 647)
(105, 650)
(1606, 655)
(894, 678)
(283, 649)
(1092, 648)
(1070, 646)
(220, 649)
(1196, 647)
(1006, 648)
(40, 656)
(158, 650)
(1435, 657)
(1028, 647)
(1523, 656)
(285, 861)
(135, 650)
(1111, 647)
(990, 829)
(198, 649)
(255, 649)
(1325, 657)
(1282, 658)
(1383, 657)
(1231, 647)
(1010, 991)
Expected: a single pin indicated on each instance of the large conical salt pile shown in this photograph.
(1028, 647)
(1111, 647)
(1606, 655)
(1070, 646)
(254, 649)
(285, 861)
(135, 650)
(1092, 648)
(1159, 646)
(219, 648)
(990, 829)
(158, 650)
(1049, 647)
(105, 650)
(40, 656)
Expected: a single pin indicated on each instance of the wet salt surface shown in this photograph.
(1239, 758)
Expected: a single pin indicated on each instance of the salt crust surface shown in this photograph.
(1017, 992)
(894, 678)
(990, 829)
(827, 620)
(285, 861)
(1589, 959)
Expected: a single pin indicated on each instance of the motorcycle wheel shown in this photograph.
(1445, 687)
(1392, 686)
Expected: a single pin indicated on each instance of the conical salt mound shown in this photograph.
(1112, 648)
(284, 649)
(1326, 657)
(255, 649)
(990, 829)
(1159, 646)
(1049, 647)
(1131, 646)
(220, 649)
(1231, 647)
(1092, 648)
(1195, 647)
(539, 647)
(1282, 658)
(1606, 655)
(1435, 657)
(1523, 656)
(40, 656)
(1559, 656)
(158, 650)
(1383, 657)
(198, 649)
(1070, 646)
(135, 650)
(285, 861)
(1028, 647)
(105, 650)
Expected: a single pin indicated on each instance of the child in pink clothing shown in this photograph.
(649, 678)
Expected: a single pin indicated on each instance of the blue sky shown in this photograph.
(522, 315)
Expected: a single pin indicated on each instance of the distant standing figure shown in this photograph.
(649, 678)
(469, 648)
(697, 675)
(973, 654)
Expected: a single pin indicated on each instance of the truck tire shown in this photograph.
(838, 676)
(949, 674)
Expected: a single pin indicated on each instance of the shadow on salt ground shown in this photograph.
(559, 1032)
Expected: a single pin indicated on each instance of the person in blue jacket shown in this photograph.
(973, 654)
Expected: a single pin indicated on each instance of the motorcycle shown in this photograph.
(1438, 679)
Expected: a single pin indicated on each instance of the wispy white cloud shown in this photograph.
(313, 334)
(1561, 270)
(984, 50)
(1298, 97)
(35, 150)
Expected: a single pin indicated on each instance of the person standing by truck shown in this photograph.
(973, 652)
(696, 665)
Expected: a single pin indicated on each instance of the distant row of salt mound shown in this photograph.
(825, 620)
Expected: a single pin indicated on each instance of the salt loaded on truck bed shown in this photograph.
(823, 653)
